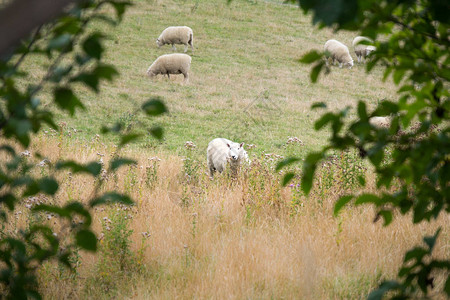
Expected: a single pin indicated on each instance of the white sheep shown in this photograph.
(380, 122)
(176, 63)
(362, 50)
(176, 35)
(222, 151)
(338, 52)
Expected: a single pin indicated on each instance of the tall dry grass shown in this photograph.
(193, 237)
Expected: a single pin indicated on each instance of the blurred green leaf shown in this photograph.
(341, 203)
(287, 178)
(310, 57)
(118, 162)
(286, 162)
(66, 100)
(154, 107)
(48, 185)
(111, 197)
(92, 45)
(157, 132)
(128, 138)
(92, 168)
(316, 71)
(86, 240)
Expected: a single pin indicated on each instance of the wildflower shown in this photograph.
(146, 234)
(294, 140)
(26, 153)
(189, 145)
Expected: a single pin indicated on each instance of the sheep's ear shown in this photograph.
(229, 146)
(241, 145)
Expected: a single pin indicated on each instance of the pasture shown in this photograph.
(192, 237)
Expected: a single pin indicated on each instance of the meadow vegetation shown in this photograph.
(188, 236)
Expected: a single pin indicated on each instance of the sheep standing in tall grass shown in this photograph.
(222, 151)
(167, 64)
(177, 35)
(338, 52)
(380, 122)
(362, 50)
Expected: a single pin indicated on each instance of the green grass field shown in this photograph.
(246, 82)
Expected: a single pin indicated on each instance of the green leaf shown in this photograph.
(341, 203)
(8, 199)
(128, 138)
(286, 162)
(447, 286)
(48, 185)
(318, 105)
(60, 41)
(387, 216)
(324, 120)
(120, 7)
(111, 197)
(316, 71)
(417, 254)
(66, 100)
(106, 72)
(309, 168)
(398, 75)
(92, 168)
(310, 57)
(368, 198)
(287, 178)
(431, 240)
(384, 288)
(116, 163)
(91, 80)
(92, 46)
(154, 107)
(157, 132)
(52, 209)
(86, 240)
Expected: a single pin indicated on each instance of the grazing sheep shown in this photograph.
(362, 50)
(176, 63)
(220, 151)
(176, 35)
(380, 122)
(338, 51)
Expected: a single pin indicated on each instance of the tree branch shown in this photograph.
(20, 17)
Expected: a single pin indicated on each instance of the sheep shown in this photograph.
(380, 122)
(176, 35)
(362, 50)
(176, 63)
(338, 51)
(220, 151)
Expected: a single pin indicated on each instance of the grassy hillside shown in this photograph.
(246, 82)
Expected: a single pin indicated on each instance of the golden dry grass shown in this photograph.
(211, 239)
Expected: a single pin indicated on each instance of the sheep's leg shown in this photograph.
(174, 48)
(359, 59)
(340, 65)
(186, 77)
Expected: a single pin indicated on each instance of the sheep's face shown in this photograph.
(370, 49)
(150, 73)
(158, 43)
(349, 64)
(234, 152)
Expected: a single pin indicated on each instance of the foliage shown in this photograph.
(76, 56)
(416, 53)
